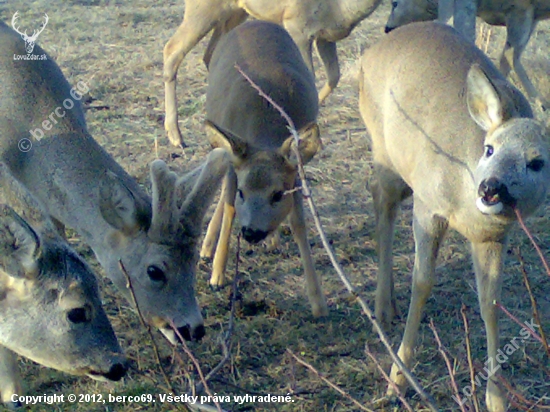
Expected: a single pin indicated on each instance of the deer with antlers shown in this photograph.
(29, 40)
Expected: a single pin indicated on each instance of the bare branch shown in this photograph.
(532, 239)
(387, 378)
(469, 353)
(533, 301)
(329, 383)
(148, 329)
(441, 349)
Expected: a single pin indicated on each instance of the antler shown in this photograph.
(14, 21)
(36, 33)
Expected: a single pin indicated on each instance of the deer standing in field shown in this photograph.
(519, 17)
(83, 187)
(449, 129)
(307, 21)
(50, 307)
(259, 186)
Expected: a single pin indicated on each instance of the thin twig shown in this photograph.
(469, 354)
(387, 378)
(532, 239)
(329, 383)
(307, 194)
(226, 340)
(534, 305)
(196, 363)
(148, 329)
(515, 319)
(441, 349)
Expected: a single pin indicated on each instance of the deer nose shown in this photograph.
(253, 236)
(117, 372)
(387, 29)
(197, 334)
(494, 191)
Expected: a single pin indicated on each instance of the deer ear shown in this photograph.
(223, 138)
(484, 101)
(19, 245)
(309, 144)
(118, 205)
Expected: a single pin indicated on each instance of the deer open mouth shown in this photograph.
(489, 205)
(493, 196)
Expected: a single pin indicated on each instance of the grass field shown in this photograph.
(115, 47)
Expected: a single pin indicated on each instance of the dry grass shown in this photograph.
(116, 48)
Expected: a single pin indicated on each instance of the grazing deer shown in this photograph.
(449, 129)
(321, 21)
(29, 41)
(519, 17)
(50, 307)
(259, 187)
(83, 187)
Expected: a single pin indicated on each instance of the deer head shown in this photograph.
(29, 41)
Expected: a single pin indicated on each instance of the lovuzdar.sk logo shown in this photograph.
(29, 40)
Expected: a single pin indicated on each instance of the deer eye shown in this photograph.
(489, 150)
(240, 193)
(156, 274)
(277, 196)
(535, 165)
(78, 315)
(394, 4)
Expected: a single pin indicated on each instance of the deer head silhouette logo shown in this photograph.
(29, 40)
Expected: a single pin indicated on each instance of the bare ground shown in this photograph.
(115, 47)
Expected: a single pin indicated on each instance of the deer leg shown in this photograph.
(194, 27)
(329, 56)
(237, 18)
(388, 190)
(313, 282)
(445, 10)
(519, 27)
(429, 231)
(487, 259)
(222, 250)
(213, 231)
(10, 379)
(304, 43)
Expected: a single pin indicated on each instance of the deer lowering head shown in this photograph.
(29, 40)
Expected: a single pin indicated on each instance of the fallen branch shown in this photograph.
(441, 349)
(534, 305)
(148, 329)
(532, 239)
(307, 195)
(197, 365)
(516, 320)
(469, 354)
(329, 383)
(387, 378)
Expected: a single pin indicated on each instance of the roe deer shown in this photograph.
(50, 307)
(83, 187)
(449, 129)
(254, 132)
(321, 21)
(519, 17)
